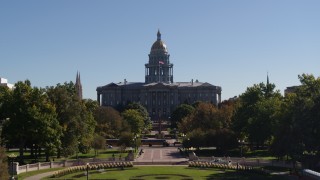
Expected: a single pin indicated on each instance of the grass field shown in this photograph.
(168, 172)
(103, 153)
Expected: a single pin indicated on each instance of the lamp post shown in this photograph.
(160, 122)
(87, 171)
(11, 157)
(241, 142)
(34, 152)
(136, 136)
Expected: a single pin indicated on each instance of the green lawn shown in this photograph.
(103, 153)
(260, 154)
(168, 172)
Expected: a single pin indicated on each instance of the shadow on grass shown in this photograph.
(233, 175)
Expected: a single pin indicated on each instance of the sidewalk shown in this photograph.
(39, 176)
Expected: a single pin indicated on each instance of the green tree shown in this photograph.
(179, 113)
(99, 142)
(195, 138)
(47, 130)
(256, 113)
(134, 119)
(143, 112)
(204, 117)
(18, 113)
(209, 126)
(126, 139)
(109, 122)
(288, 135)
(299, 129)
(4, 174)
(75, 117)
(30, 119)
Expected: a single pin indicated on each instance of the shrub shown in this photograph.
(100, 166)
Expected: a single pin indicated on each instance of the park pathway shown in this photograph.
(160, 155)
(39, 176)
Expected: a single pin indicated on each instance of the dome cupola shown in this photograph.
(159, 69)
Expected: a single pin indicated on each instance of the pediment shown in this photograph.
(111, 85)
(157, 86)
(206, 85)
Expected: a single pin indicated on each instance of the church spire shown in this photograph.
(268, 86)
(78, 86)
(267, 78)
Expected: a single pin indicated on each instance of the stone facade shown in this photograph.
(159, 94)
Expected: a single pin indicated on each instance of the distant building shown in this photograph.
(4, 82)
(159, 93)
(291, 89)
(78, 86)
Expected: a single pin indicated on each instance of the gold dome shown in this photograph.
(159, 45)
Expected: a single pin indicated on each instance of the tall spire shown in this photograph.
(268, 86)
(267, 78)
(158, 35)
(78, 85)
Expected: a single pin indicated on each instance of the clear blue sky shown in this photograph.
(232, 44)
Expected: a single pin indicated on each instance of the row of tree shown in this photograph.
(287, 125)
(55, 120)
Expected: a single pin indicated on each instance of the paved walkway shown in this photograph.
(39, 176)
(160, 154)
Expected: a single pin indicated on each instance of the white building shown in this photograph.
(4, 82)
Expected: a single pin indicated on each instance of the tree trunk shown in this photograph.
(47, 156)
(59, 153)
